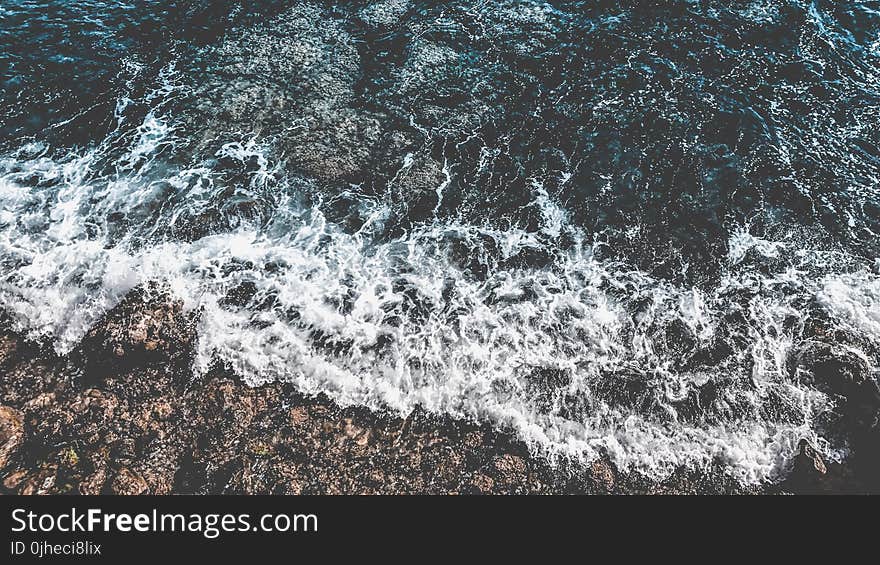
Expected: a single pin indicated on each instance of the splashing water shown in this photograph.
(545, 325)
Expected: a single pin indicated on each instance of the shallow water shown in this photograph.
(609, 226)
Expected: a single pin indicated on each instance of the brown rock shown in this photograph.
(299, 415)
(159, 469)
(474, 439)
(43, 481)
(8, 349)
(602, 475)
(510, 466)
(95, 482)
(13, 480)
(11, 434)
(148, 326)
(808, 462)
(483, 483)
(135, 431)
(128, 482)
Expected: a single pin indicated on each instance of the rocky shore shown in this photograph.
(123, 414)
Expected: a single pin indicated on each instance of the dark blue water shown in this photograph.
(619, 227)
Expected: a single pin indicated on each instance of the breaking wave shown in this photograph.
(548, 326)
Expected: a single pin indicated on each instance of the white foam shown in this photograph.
(741, 242)
(396, 323)
(854, 299)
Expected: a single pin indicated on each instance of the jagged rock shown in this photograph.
(810, 473)
(808, 462)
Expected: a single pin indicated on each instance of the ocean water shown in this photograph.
(611, 227)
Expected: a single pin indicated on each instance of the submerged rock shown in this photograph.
(813, 474)
(384, 13)
(851, 378)
(845, 372)
(290, 78)
(839, 369)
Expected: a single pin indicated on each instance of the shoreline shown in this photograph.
(122, 415)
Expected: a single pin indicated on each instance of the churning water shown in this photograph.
(608, 226)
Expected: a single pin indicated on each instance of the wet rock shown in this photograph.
(813, 474)
(239, 295)
(128, 482)
(136, 431)
(809, 472)
(512, 474)
(12, 481)
(602, 475)
(48, 419)
(25, 378)
(300, 62)
(482, 484)
(159, 466)
(299, 415)
(845, 372)
(510, 465)
(94, 483)
(149, 326)
(8, 349)
(42, 481)
(838, 368)
(11, 434)
(808, 461)
(474, 439)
